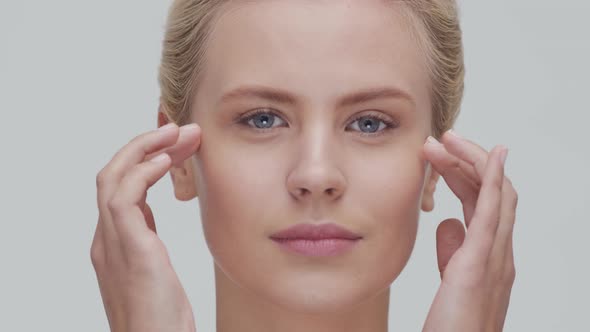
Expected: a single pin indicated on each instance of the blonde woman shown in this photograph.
(313, 134)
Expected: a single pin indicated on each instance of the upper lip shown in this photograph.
(316, 232)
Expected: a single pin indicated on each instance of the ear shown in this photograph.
(183, 180)
(429, 188)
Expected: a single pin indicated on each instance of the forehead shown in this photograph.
(316, 49)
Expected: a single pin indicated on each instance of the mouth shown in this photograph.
(327, 239)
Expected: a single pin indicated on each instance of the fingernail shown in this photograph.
(168, 126)
(431, 140)
(452, 132)
(191, 126)
(160, 158)
(504, 155)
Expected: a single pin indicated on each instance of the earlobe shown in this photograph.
(182, 175)
(183, 181)
(162, 117)
(429, 189)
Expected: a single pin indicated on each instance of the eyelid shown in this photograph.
(251, 113)
(378, 115)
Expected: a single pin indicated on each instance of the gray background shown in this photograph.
(78, 80)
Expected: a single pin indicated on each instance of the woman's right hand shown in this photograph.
(139, 287)
(476, 266)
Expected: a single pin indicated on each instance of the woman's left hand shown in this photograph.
(477, 266)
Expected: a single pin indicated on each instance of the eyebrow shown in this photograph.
(287, 98)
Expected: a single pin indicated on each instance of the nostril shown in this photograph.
(301, 192)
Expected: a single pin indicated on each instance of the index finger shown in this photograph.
(481, 234)
(467, 150)
(131, 154)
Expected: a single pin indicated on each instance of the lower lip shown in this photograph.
(317, 248)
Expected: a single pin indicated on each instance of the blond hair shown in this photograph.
(190, 22)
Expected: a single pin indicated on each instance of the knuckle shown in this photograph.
(515, 199)
(115, 204)
(510, 192)
(512, 197)
(96, 255)
(455, 163)
(101, 177)
(508, 182)
(510, 274)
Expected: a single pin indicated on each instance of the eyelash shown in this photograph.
(389, 125)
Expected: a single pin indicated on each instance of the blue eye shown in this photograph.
(260, 120)
(371, 124)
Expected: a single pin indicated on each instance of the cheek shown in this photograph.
(242, 200)
(393, 216)
(400, 191)
(237, 192)
(389, 186)
(241, 196)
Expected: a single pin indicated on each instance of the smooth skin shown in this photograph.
(141, 291)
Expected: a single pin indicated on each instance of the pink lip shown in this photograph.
(316, 232)
(316, 240)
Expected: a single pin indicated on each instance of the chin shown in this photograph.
(319, 292)
(317, 301)
(313, 286)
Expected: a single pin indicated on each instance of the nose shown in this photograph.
(316, 175)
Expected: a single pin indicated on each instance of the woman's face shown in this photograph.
(308, 158)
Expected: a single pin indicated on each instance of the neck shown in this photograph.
(241, 311)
